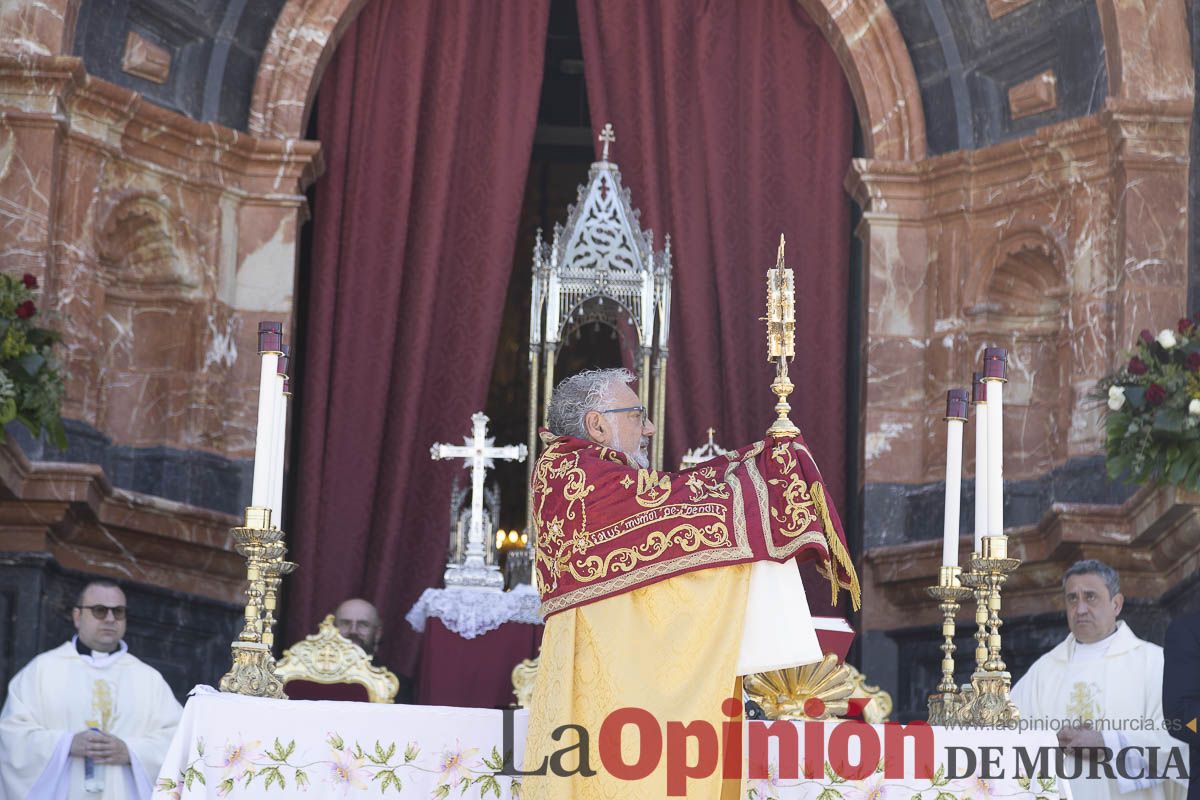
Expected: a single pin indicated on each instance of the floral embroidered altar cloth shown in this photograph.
(230, 746)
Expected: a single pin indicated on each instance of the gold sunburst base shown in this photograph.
(785, 693)
(253, 672)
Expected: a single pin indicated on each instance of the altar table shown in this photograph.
(229, 746)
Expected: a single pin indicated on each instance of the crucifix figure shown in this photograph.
(478, 452)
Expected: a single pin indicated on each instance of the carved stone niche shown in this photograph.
(153, 323)
(139, 247)
(1023, 307)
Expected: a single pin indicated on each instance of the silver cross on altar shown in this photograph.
(478, 452)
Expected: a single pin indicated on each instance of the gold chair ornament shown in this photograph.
(523, 677)
(327, 657)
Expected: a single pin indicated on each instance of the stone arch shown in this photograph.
(863, 34)
(875, 59)
(301, 44)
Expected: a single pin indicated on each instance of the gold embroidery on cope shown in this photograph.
(703, 485)
(1084, 704)
(650, 516)
(688, 537)
(798, 507)
(650, 572)
(552, 534)
(653, 489)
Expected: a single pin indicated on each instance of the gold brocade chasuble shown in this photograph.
(605, 527)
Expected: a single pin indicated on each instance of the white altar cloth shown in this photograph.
(229, 746)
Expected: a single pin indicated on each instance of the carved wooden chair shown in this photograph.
(523, 676)
(328, 666)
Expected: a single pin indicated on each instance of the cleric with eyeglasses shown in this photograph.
(87, 720)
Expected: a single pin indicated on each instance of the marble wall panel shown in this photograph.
(46, 27)
(896, 442)
(1026, 245)
(897, 283)
(1148, 50)
(162, 239)
(27, 178)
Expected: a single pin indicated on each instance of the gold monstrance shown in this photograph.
(781, 340)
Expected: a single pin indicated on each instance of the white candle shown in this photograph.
(268, 347)
(278, 453)
(981, 461)
(995, 371)
(956, 411)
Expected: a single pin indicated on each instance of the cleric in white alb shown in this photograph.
(86, 720)
(1101, 688)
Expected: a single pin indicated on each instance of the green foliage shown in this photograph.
(281, 753)
(387, 778)
(31, 382)
(1152, 424)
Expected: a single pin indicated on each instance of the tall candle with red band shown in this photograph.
(270, 342)
(995, 374)
(278, 445)
(956, 416)
(979, 399)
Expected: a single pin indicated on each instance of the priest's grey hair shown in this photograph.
(574, 397)
(1092, 566)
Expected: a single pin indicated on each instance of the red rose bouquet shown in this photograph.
(1153, 423)
(31, 385)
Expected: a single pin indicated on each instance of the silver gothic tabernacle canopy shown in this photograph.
(601, 268)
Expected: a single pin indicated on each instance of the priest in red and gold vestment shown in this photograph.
(660, 589)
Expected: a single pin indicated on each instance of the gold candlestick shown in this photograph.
(253, 670)
(989, 702)
(275, 569)
(972, 581)
(949, 592)
(995, 565)
(781, 339)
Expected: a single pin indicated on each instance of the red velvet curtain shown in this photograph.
(426, 115)
(734, 124)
